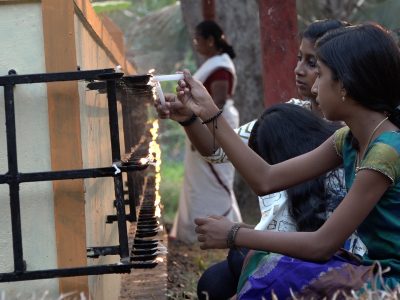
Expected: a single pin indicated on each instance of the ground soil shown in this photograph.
(185, 265)
(174, 277)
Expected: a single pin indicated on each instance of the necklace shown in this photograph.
(369, 141)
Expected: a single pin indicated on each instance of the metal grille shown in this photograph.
(108, 80)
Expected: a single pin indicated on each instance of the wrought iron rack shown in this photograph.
(14, 178)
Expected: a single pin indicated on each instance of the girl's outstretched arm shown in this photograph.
(367, 189)
(262, 177)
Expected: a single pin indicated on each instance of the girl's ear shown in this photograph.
(210, 41)
(343, 93)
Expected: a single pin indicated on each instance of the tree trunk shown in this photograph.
(240, 22)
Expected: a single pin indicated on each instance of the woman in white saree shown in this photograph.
(207, 188)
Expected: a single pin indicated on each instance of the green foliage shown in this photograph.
(171, 181)
(144, 7)
(109, 6)
(201, 263)
(172, 142)
(140, 8)
(384, 12)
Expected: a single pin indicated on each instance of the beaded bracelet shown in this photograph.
(214, 117)
(189, 121)
(230, 240)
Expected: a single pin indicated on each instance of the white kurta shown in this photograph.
(207, 188)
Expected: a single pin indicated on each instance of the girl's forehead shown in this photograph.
(322, 66)
(307, 45)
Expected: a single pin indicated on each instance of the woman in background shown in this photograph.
(207, 188)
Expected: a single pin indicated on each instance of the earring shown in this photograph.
(343, 98)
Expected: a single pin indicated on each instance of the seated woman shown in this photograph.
(282, 132)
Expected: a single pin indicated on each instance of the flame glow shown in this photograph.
(159, 259)
(144, 161)
(155, 155)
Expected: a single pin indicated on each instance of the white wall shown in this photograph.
(22, 49)
(21, 36)
(96, 152)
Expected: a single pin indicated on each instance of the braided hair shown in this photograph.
(210, 28)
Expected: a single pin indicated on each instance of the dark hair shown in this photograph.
(210, 28)
(366, 59)
(318, 28)
(285, 131)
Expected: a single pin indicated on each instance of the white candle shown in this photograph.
(160, 93)
(171, 77)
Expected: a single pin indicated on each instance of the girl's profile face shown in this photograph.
(202, 45)
(306, 69)
(328, 91)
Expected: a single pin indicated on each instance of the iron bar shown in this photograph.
(116, 157)
(50, 77)
(67, 174)
(96, 252)
(72, 272)
(132, 192)
(114, 218)
(19, 265)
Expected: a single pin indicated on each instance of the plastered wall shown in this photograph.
(21, 33)
(96, 152)
(22, 49)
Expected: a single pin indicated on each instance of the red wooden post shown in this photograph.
(208, 9)
(279, 46)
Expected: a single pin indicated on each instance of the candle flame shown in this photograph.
(155, 158)
(157, 212)
(144, 161)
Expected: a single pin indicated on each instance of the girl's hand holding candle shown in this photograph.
(171, 77)
(160, 93)
(156, 82)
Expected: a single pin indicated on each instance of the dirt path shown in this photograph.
(185, 265)
(173, 278)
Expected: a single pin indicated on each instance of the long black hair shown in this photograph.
(210, 28)
(285, 131)
(318, 28)
(366, 60)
